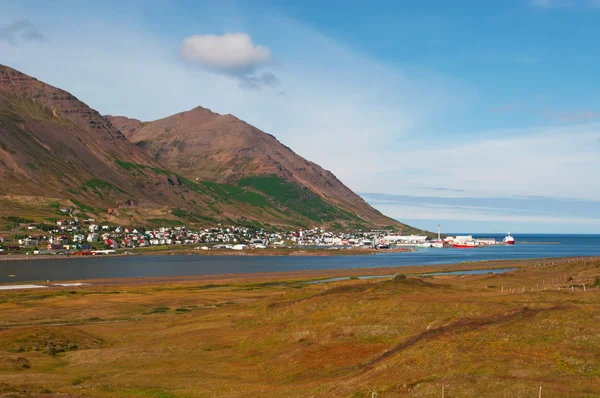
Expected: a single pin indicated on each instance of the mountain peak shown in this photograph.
(202, 145)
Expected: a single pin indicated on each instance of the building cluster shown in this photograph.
(86, 235)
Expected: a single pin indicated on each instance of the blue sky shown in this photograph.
(480, 116)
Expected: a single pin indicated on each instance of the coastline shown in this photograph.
(224, 252)
(306, 275)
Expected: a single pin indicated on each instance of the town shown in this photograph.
(86, 237)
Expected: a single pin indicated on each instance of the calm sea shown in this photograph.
(155, 266)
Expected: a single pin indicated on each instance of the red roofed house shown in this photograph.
(111, 243)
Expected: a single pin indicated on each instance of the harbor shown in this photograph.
(457, 241)
(165, 265)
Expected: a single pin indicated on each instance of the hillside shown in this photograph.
(56, 152)
(203, 145)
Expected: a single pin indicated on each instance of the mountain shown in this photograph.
(194, 167)
(200, 144)
(55, 151)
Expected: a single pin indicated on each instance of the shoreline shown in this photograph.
(303, 275)
(224, 252)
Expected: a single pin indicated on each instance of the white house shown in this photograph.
(29, 242)
(78, 238)
(92, 238)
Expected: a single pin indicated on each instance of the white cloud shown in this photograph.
(21, 30)
(231, 52)
(548, 161)
(480, 215)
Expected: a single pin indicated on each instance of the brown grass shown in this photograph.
(231, 338)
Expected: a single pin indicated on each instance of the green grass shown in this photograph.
(180, 213)
(246, 223)
(83, 207)
(221, 189)
(165, 222)
(32, 166)
(191, 185)
(231, 193)
(4, 147)
(130, 166)
(19, 220)
(158, 310)
(195, 217)
(99, 186)
(252, 198)
(296, 198)
(158, 170)
(17, 106)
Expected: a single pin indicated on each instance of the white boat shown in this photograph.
(426, 244)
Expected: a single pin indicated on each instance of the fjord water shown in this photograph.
(181, 265)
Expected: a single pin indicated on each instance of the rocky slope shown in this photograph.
(200, 144)
(55, 151)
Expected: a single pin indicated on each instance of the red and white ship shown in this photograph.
(469, 244)
(509, 240)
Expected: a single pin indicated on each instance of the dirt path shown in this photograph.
(460, 326)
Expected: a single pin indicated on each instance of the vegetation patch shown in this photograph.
(48, 340)
(294, 197)
(6, 148)
(19, 220)
(221, 189)
(252, 198)
(130, 166)
(158, 170)
(54, 205)
(165, 222)
(99, 186)
(83, 207)
(159, 310)
(190, 185)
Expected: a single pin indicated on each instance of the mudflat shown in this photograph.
(274, 335)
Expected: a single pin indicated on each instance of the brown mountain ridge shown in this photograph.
(192, 167)
(200, 144)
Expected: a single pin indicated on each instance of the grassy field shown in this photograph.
(488, 335)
